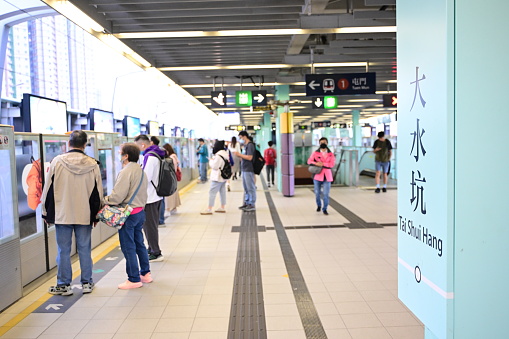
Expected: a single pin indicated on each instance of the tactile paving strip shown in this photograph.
(247, 315)
(309, 316)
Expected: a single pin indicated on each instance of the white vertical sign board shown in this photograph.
(425, 161)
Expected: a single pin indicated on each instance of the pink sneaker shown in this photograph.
(127, 285)
(147, 278)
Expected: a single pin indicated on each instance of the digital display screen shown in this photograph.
(101, 121)
(132, 126)
(43, 115)
(153, 127)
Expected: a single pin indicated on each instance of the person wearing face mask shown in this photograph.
(248, 176)
(322, 157)
(130, 182)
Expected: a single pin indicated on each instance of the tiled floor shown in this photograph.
(351, 275)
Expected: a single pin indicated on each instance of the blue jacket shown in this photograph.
(203, 152)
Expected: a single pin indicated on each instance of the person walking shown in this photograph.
(383, 152)
(234, 147)
(217, 181)
(203, 152)
(173, 201)
(248, 176)
(324, 158)
(151, 166)
(132, 184)
(71, 198)
(270, 161)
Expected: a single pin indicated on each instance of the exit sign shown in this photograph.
(243, 98)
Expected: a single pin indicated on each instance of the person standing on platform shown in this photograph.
(173, 201)
(132, 184)
(270, 161)
(248, 176)
(324, 158)
(203, 152)
(234, 147)
(383, 152)
(71, 198)
(217, 181)
(151, 166)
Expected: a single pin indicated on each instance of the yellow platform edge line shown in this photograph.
(23, 314)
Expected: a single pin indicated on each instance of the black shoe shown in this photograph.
(377, 190)
(318, 209)
(269, 185)
(249, 208)
(242, 207)
(384, 190)
(325, 212)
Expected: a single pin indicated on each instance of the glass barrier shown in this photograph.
(29, 173)
(8, 229)
(105, 163)
(347, 168)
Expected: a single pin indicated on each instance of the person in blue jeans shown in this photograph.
(248, 176)
(203, 153)
(324, 158)
(132, 184)
(73, 209)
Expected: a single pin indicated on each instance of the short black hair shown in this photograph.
(243, 134)
(381, 134)
(143, 138)
(132, 151)
(78, 139)
(155, 140)
(218, 146)
(270, 143)
(323, 138)
(201, 139)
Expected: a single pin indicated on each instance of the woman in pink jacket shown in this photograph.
(323, 157)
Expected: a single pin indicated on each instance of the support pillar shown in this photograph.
(285, 143)
(357, 130)
(452, 213)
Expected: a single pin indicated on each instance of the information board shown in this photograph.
(340, 84)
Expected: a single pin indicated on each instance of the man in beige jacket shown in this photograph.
(71, 198)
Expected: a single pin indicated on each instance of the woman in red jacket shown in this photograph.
(323, 157)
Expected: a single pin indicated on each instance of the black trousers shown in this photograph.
(270, 169)
(150, 227)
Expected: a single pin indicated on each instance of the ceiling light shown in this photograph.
(74, 14)
(255, 32)
(263, 66)
(300, 83)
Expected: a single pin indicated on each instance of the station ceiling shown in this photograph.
(250, 37)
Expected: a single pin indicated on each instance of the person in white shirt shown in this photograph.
(217, 182)
(151, 166)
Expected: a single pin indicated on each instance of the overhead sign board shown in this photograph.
(259, 98)
(257, 127)
(340, 84)
(390, 100)
(243, 98)
(303, 127)
(319, 124)
(218, 99)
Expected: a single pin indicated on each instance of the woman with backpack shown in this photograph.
(173, 201)
(217, 182)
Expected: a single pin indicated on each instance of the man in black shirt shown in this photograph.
(383, 152)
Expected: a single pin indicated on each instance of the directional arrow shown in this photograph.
(313, 85)
(260, 98)
(111, 258)
(220, 101)
(56, 307)
(318, 102)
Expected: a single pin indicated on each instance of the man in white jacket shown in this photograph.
(151, 166)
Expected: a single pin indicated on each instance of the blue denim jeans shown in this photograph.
(319, 194)
(161, 211)
(248, 181)
(203, 171)
(216, 186)
(83, 234)
(131, 243)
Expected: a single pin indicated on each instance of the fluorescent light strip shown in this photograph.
(300, 83)
(255, 32)
(266, 66)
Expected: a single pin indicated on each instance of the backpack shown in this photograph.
(167, 177)
(258, 162)
(226, 171)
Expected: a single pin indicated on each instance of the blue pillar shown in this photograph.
(357, 131)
